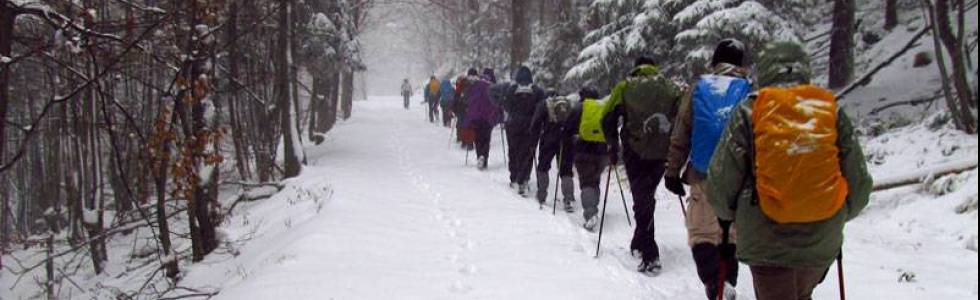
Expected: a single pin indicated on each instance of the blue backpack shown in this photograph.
(446, 93)
(715, 96)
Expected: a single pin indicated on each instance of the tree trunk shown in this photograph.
(7, 17)
(891, 14)
(292, 166)
(842, 44)
(520, 47)
(347, 94)
(954, 47)
(234, 56)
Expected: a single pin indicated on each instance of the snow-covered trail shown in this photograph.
(408, 220)
(387, 210)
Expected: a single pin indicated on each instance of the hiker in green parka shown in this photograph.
(778, 251)
(647, 102)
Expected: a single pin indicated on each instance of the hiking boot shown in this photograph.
(650, 267)
(523, 190)
(591, 223)
(729, 292)
(569, 208)
(481, 163)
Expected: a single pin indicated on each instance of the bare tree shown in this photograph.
(842, 44)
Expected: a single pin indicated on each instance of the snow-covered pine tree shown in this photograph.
(703, 23)
(555, 49)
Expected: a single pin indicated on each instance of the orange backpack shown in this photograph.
(798, 175)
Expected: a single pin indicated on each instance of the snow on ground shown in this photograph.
(388, 209)
(407, 219)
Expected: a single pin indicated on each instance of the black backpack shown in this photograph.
(524, 101)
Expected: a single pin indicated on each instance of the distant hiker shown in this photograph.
(519, 101)
(647, 102)
(489, 75)
(592, 156)
(459, 106)
(701, 118)
(789, 169)
(406, 92)
(446, 97)
(546, 127)
(481, 116)
(432, 98)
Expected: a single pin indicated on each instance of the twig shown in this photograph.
(912, 102)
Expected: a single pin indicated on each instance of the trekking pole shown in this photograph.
(683, 209)
(722, 264)
(622, 195)
(554, 206)
(840, 272)
(449, 145)
(503, 143)
(602, 219)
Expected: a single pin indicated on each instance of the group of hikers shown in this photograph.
(768, 153)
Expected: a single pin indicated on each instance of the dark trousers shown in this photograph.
(589, 168)
(406, 101)
(549, 151)
(644, 176)
(708, 260)
(483, 132)
(520, 152)
(772, 283)
(433, 111)
(447, 117)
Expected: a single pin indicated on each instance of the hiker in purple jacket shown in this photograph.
(481, 115)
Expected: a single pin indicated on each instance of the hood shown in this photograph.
(645, 70)
(524, 76)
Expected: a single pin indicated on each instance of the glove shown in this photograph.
(674, 185)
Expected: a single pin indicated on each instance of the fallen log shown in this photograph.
(922, 175)
(866, 78)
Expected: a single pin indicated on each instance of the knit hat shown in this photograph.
(729, 51)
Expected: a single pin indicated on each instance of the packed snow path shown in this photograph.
(406, 219)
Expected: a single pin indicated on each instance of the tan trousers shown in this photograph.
(702, 224)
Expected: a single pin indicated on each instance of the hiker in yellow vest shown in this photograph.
(584, 127)
(789, 171)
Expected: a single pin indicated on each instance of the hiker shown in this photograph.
(592, 153)
(446, 96)
(519, 101)
(647, 102)
(406, 92)
(546, 127)
(432, 98)
(489, 75)
(459, 109)
(700, 121)
(796, 222)
(481, 115)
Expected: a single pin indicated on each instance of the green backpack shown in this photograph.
(650, 105)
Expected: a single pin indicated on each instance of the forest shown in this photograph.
(136, 134)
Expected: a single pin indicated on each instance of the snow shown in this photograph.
(5, 60)
(386, 208)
